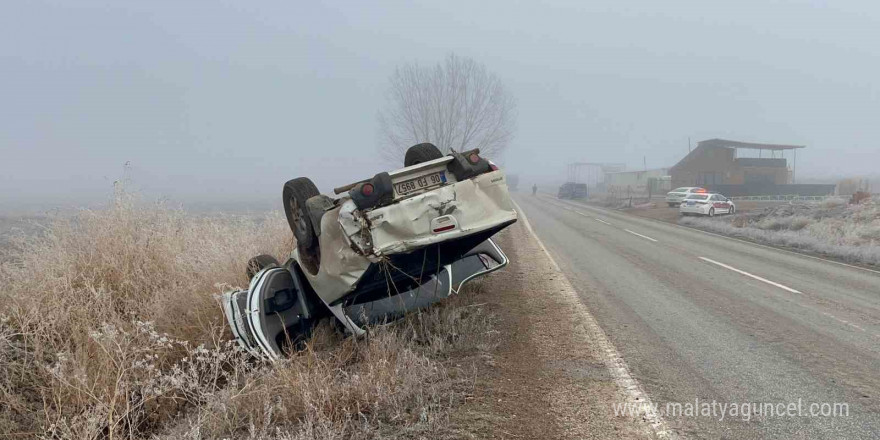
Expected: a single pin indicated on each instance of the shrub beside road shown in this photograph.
(110, 327)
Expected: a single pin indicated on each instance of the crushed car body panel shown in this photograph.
(271, 311)
(475, 205)
(481, 260)
(446, 214)
(336, 276)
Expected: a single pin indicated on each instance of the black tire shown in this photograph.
(421, 153)
(294, 197)
(711, 212)
(259, 263)
(672, 205)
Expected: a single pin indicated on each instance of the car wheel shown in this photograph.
(671, 205)
(421, 153)
(711, 212)
(294, 197)
(259, 263)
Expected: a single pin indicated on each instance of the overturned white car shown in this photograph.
(399, 241)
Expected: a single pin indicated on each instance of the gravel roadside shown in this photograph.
(547, 378)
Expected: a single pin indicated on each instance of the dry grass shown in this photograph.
(110, 327)
(850, 233)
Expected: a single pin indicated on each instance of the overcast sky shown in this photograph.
(212, 100)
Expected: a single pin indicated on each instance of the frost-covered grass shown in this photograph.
(850, 233)
(110, 327)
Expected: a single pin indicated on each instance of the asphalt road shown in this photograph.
(698, 316)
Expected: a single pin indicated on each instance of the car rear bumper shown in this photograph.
(467, 207)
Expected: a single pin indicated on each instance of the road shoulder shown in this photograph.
(548, 378)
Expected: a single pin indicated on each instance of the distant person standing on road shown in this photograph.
(535, 189)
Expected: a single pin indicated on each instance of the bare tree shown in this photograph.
(456, 105)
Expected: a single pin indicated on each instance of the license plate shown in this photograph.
(692, 203)
(419, 183)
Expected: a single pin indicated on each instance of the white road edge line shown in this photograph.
(602, 221)
(640, 235)
(753, 276)
(614, 362)
(843, 321)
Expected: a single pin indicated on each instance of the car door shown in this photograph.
(235, 308)
(277, 310)
(728, 205)
(720, 204)
(485, 258)
(715, 202)
(389, 308)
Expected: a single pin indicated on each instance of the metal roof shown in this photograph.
(736, 144)
(599, 164)
(666, 169)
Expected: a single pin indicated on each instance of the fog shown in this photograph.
(223, 102)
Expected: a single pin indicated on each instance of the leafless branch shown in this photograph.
(457, 105)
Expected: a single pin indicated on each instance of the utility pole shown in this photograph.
(689, 145)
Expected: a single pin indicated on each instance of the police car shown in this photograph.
(709, 204)
(676, 196)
